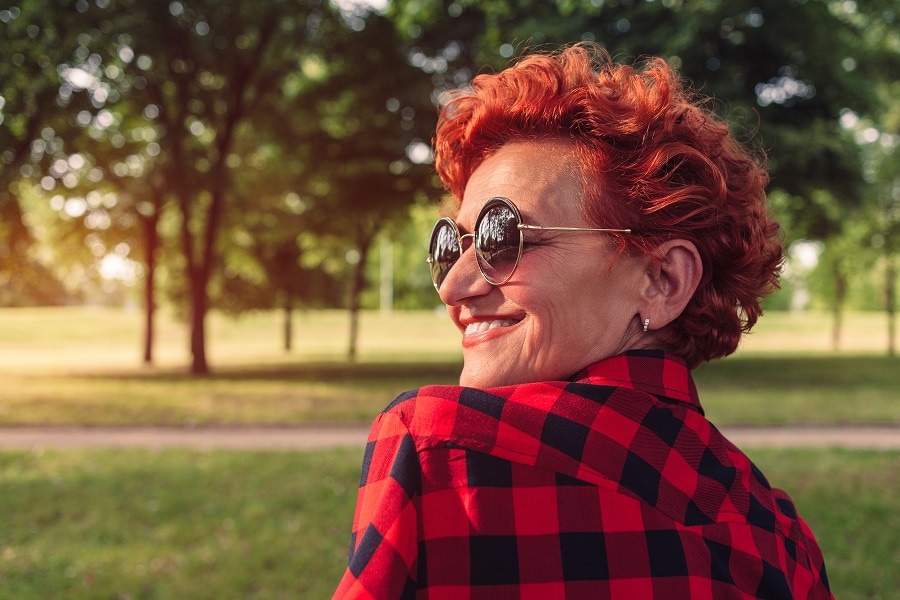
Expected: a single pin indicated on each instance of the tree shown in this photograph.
(220, 62)
(881, 155)
(371, 132)
(33, 107)
(780, 62)
(268, 265)
(200, 71)
(210, 123)
(176, 98)
(879, 149)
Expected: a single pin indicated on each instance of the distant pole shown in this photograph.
(387, 276)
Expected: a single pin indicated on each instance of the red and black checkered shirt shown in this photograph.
(612, 485)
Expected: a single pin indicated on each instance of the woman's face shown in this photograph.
(569, 303)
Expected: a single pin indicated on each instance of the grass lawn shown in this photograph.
(81, 366)
(266, 525)
(812, 389)
(174, 524)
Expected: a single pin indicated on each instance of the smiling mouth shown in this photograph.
(485, 326)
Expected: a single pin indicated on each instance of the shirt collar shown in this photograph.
(655, 372)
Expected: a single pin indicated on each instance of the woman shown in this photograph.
(608, 235)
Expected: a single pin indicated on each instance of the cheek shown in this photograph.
(561, 317)
(571, 299)
(590, 310)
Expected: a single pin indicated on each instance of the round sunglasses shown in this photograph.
(498, 242)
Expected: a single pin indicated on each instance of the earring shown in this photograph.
(646, 324)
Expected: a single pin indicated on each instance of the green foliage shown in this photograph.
(769, 58)
(412, 288)
(36, 44)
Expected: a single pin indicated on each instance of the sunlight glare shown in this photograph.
(355, 5)
(806, 253)
(115, 267)
(79, 78)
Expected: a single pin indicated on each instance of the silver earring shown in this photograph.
(646, 324)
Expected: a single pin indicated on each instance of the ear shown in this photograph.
(671, 282)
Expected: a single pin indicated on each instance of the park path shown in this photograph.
(879, 437)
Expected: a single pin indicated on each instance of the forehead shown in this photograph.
(540, 177)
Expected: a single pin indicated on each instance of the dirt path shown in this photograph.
(882, 437)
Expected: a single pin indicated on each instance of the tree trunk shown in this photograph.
(149, 314)
(386, 301)
(151, 244)
(197, 276)
(14, 248)
(199, 365)
(359, 284)
(288, 320)
(200, 285)
(200, 269)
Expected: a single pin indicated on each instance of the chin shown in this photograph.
(487, 377)
(478, 378)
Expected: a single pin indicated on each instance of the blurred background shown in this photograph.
(228, 156)
(216, 212)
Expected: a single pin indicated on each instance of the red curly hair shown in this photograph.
(653, 157)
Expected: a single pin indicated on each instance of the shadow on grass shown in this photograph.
(746, 390)
(325, 372)
(804, 371)
(751, 371)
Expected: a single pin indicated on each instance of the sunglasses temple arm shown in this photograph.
(539, 228)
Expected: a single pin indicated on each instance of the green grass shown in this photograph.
(81, 366)
(264, 525)
(174, 524)
(815, 389)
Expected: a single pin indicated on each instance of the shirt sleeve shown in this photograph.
(803, 562)
(384, 541)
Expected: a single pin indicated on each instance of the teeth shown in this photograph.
(483, 326)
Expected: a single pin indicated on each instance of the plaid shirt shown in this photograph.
(613, 485)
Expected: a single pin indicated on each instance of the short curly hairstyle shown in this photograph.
(654, 157)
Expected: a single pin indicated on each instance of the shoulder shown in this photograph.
(423, 413)
(423, 401)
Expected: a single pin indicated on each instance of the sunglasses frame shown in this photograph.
(497, 200)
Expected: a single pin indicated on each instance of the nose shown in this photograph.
(464, 280)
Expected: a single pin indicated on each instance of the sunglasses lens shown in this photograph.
(443, 252)
(498, 242)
